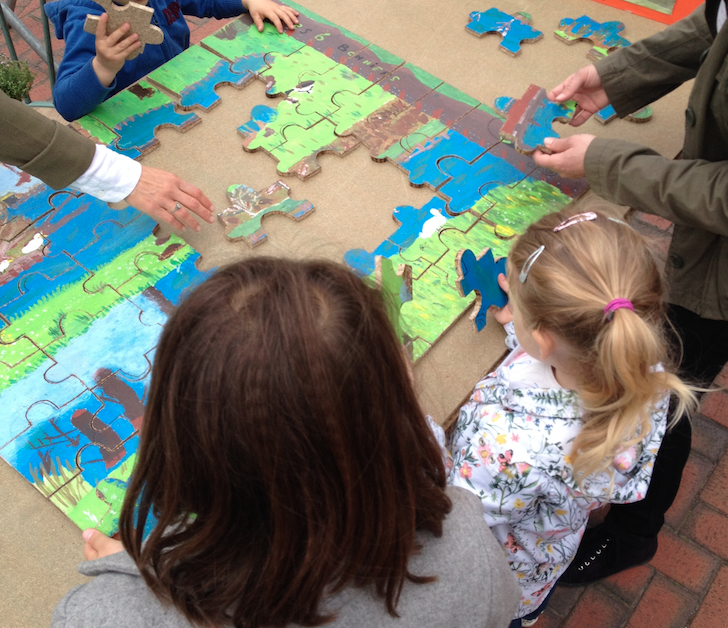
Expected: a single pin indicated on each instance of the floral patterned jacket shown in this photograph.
(511, 447)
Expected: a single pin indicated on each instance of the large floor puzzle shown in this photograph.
(85, 290)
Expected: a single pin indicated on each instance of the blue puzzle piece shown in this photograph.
(137, 131)
(413, 224)
(469, 182)
(481, 275)
(202, 93)
(603, 36)
(421, 163)
(514, 30)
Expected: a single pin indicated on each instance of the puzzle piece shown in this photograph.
(413, 223)
(481, 125)
(604, 37)
(240, 41)
(139, 18)
(410, 83)
(396, 286)
(468, 182)
(530, 118)
(608, 114)
(373, 63)
(195, 73)
(285, 72)
(446, 104)
(514, 29)
(298, 155)
(480, 275)
(243, 219)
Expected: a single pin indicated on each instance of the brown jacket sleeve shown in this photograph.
(639, 74)
(690, 192)
(41, 147)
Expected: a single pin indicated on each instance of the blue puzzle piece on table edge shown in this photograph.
(513, 29)
(481, 275)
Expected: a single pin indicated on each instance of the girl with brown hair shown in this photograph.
(575, 415)
(292, 474)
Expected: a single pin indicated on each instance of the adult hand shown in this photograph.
(585, 88)
(112, 50)
(158, 192)
(505, 314)
(99, 545)
(567, 155)
(278, 14)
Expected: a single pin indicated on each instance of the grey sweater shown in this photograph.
(475, 586)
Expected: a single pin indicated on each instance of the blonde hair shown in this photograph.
(581, 269)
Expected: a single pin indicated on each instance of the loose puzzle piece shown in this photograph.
(480, 275)
(604, 37)
(608, 114)
(530, 118)
(195, 73)
(514, 29)
(243, 219)
(139, 18)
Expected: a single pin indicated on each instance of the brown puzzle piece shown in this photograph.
(136, 15)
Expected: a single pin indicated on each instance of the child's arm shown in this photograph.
(259, 10)
(112, 51)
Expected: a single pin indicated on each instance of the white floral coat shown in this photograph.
(511, 447)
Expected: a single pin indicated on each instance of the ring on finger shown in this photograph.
(177, 207)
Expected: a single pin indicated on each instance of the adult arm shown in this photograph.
(691, 192)
(639, 74)
(41, 147)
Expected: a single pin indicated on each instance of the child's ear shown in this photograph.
(545, 342)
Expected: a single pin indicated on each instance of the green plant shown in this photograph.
(16, 78)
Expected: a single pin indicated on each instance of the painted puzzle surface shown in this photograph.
(85, 290)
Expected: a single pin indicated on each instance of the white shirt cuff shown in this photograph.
(111, 177)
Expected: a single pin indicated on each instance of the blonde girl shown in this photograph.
(574, 417)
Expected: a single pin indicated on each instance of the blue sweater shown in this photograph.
(78, 90)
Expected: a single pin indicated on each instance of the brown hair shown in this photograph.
(581, 269)
(283, 451)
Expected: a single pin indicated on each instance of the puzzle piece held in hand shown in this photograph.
(396, 284)
(608, 114)
(530, 118)
(243, 219)
(514, 29)
(604, 37)
(136, 15)
(480, 274)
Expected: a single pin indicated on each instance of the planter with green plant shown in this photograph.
(16, 79)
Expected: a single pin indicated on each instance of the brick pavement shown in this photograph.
(686, 583)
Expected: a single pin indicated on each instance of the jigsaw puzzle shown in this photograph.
(514, 29)
(480, 275)
(604, 37)
(85, 290)
(139, 18)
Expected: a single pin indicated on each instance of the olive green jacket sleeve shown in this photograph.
(41, 147)
(639, 74)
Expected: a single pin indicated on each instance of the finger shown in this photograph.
(556, 91)
(557, 144)
(101, 26)
(98, 544)
(195, 200)
(184, 216)
(289, 17)
(542, 159)
(166, 216)
(115, 37)
(273, 17)
(580, 117)
(258, 21)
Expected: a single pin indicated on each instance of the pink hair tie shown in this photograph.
(616, 304)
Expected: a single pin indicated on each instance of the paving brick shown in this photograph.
(597, 609)
(695, 475)
(715, 406)
(714, 609)
(564, 599)
(715, 492)
(548, 619)
(629, 585)
(655, 221)
(41, 91)
(684, 562)
(709, 438)
(707, 527)
(664, 604)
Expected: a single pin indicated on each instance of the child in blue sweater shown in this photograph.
(95, 68)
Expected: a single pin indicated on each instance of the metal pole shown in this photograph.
(48, 44)
(27, 35)
(8, 39)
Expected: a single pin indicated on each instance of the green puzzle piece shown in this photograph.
(240, 39)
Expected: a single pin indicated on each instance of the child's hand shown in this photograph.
(112, 51)
(278, 14)
(505, 314)
(99, 545)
